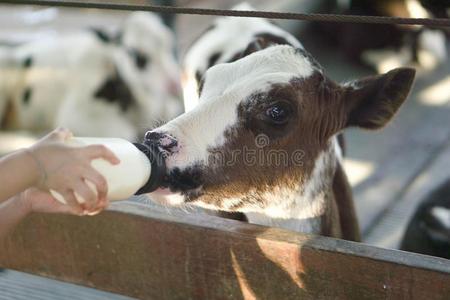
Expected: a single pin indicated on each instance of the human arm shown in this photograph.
(13, 210)
(50, 164)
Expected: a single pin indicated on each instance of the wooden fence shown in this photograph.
(149, 254)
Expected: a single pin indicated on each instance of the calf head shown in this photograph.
(213, 47)
(144, 54)
(262, 136)
(150, 45)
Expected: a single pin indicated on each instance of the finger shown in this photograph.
(99, 182)
(58, 207)
(94, 213)
(88, 195)
(100, 151)
(60, 134)
(64, 133)
(72, 202)
(104, 203)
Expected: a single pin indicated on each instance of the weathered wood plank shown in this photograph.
(150, 255)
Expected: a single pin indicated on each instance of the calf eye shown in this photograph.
(140, 59)
(278, 113)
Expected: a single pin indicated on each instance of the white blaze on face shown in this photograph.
(225, 87)
(241, 31)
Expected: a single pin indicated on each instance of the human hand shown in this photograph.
(35, 200)
(66, 169)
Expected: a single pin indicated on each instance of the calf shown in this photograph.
(90, 83)
(227, 40)
(275, 102)
(214, 46)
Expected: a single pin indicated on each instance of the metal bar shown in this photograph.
(440, 22)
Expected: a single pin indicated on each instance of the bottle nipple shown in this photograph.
(158, 168)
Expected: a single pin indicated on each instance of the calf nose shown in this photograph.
(164, 141)
(152, 136)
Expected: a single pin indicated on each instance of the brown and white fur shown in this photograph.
(280, 94)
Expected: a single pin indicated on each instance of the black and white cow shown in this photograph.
(260, 133)
(227, 40)
(92, 85)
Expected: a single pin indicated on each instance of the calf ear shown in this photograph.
(371, 102)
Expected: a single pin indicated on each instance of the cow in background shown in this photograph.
(94, 83)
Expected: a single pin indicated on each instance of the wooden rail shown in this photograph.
(150, 254)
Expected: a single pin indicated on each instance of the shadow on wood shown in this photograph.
(150, 254)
